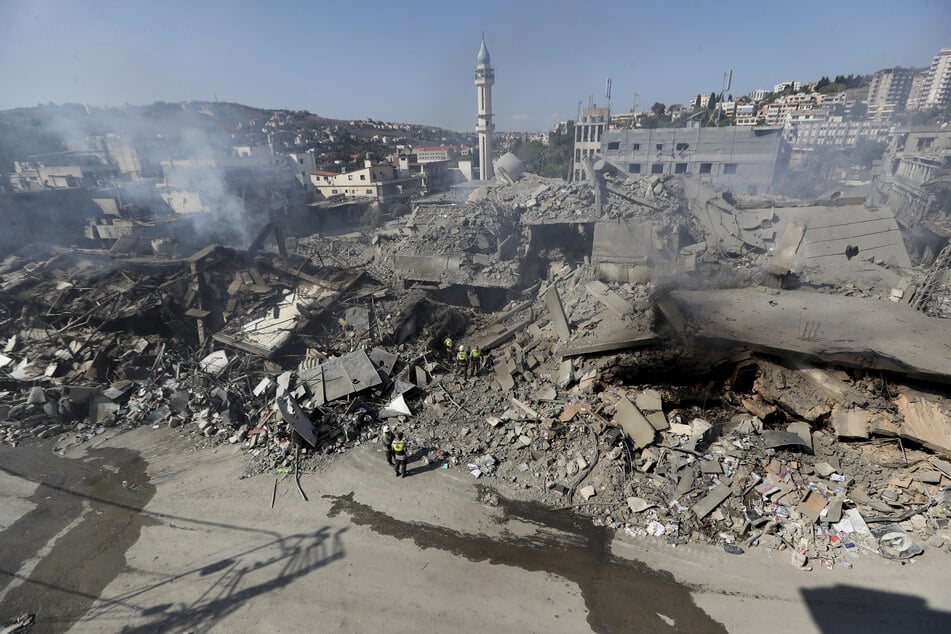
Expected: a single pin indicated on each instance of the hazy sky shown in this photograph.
(412, 61)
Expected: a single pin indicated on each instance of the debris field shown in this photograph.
(676, 363)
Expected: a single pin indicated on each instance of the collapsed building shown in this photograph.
(674, 361)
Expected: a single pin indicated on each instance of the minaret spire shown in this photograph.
(484, 78)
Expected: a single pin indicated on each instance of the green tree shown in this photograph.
(658, 108)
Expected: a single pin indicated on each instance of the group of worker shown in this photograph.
(395, 450)
(467, 363)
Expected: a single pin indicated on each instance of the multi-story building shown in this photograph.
(745, 159)
(759, 94)
(589, 130)
(782, 86)
(888, 92)
(938, 94)
(746, 114)
(432, 153)
(379, 181)
(835, 131)
(306, 164)
(624, 120)
(918, 90)
(435, 175)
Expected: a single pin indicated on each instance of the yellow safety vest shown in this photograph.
(448, 343)
(475, 353)
(461, 356)
(399, 446)
(388, 438)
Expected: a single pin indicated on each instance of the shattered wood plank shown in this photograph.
(559, 320)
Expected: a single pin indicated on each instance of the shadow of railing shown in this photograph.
(843, 609)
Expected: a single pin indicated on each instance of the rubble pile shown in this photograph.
(598, 388)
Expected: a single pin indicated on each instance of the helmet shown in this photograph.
(462, 348)
(386, 428)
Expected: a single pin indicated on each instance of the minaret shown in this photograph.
(484, 78)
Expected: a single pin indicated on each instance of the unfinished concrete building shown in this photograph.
(589, 130)
(739, 158)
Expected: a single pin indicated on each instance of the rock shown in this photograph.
(587, 492)
(639, 505)
(824, 469)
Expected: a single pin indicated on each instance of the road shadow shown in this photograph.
(843, 609)
(418, 456)
(298, 556)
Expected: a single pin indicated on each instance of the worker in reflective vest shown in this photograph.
(475, 361)
(399, 452)
(447, 342)
(387, 438)
(462, 360)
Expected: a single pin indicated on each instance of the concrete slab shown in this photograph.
(875, 335)
(634, 423)
(559, 320)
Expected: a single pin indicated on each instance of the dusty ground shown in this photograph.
(141, 533)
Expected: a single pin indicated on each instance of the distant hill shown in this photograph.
(43, 129)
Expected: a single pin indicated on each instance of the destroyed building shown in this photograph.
(671, 359)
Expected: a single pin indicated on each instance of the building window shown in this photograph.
(334, 191)
(614, 145)
(659, 147)
(369, 191)
(577, 155)
(729, 168)
(349, 177)
(657, 168)
(680, 168)
(363, 177)
(706, 168)
(637, 146)
(634, 168)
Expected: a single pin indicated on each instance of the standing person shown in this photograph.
(462, 360)
(387, 439)
(475, 361)
(399, 452)
(447, 342)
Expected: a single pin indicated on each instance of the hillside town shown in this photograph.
(723, 323)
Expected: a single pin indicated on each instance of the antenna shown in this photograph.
(607, 91)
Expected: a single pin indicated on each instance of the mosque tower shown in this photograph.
(484, 78)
